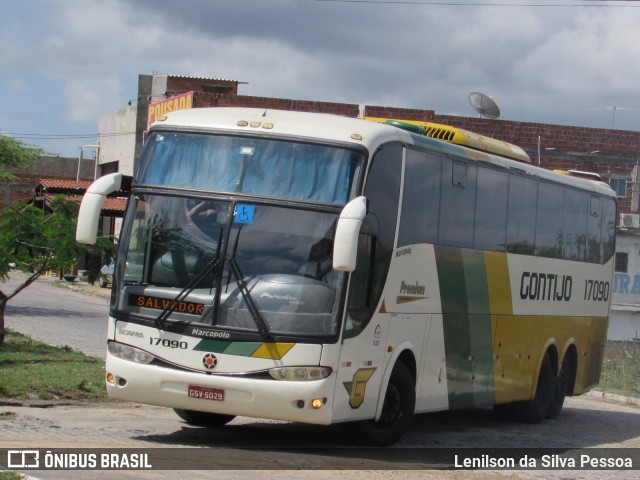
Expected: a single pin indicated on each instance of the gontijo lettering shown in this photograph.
(545, 286)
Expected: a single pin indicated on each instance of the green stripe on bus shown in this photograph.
(453, 287)
(480, 332)
(208, 345)
(468, 336)
(243, 349)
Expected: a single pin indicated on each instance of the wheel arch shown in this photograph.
(550, 348)
(570, 362)
(402, 353)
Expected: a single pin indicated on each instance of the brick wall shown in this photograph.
(205, 99)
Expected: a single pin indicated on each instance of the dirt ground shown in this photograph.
(274, 450)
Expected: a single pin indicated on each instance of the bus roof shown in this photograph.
(450, 134)
(261, 121)
(348, 130)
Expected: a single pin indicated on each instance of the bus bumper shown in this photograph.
(260, 398)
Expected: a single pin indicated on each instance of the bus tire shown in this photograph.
(559, 391)
(203, 419)
(535, 410)
(397, 412)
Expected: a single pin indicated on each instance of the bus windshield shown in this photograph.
(240, 266)
(251, 166)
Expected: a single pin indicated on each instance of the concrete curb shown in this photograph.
(614, 398)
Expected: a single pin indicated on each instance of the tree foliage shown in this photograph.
(14, 153)
(34, 241)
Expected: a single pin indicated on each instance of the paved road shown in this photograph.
(60, 314)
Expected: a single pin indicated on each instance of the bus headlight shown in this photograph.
(132, 354)
(300, 373)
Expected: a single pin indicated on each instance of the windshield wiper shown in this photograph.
(193, 283)
(261, 323)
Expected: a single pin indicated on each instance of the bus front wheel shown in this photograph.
(397, 412)
(203, 419)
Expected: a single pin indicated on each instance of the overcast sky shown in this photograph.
(64, 63)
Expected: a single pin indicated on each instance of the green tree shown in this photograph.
(34, 241)
(14, 153)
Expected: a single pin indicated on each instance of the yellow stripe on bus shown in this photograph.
(498, 283)
(274, 351)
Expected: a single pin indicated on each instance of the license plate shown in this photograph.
(206, 393)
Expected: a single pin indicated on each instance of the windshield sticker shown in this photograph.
(243, 214)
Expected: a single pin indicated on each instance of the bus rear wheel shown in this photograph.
(536, 409)
(397, 412)
(562, 389)
(203, 419)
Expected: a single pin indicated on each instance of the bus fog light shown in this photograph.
(132, 354)
(300, 373)
(317, 403)
(110, 379)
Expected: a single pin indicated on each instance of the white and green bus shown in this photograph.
(320, 269)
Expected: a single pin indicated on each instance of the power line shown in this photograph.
(61, 136)
(575, 4)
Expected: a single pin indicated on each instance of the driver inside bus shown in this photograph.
(208, 216)
(320, 264)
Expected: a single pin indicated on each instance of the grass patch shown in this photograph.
(7, 475)
(31, 368)
(621, 369)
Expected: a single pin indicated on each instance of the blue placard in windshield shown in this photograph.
(243, 214)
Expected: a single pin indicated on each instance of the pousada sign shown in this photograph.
(157, 109)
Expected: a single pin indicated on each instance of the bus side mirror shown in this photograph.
(345, 246)
(91, 206)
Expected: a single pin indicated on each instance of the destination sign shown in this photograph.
(157, 303)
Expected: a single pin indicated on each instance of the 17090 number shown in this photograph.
(597, 291)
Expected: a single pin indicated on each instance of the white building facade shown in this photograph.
(624, 322)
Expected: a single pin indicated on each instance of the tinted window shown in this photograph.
(491, 209)
(594, 230)
(420, 199)
(521, 221)
(549, 221)
(608, 229)
(382, 191)
(274, 168)
(457, 202)
(574, 234)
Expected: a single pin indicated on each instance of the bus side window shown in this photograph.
(359, 310)
(375, 250)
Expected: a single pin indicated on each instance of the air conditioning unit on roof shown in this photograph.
(629, 220)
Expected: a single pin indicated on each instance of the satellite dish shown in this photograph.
(484, 105)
